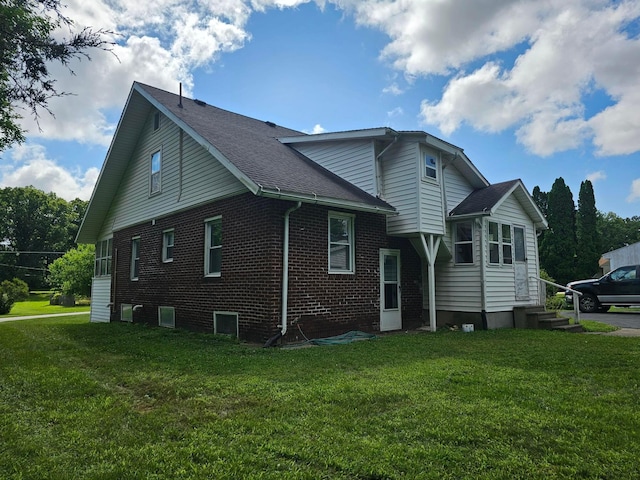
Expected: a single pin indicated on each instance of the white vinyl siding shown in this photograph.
(500, 278)
(100, 299)
(401, 173)
(431, 203)
(352, 160)
(196, 179)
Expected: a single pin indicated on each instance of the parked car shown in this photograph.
(620, 287)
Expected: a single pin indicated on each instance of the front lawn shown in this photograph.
(124, 401)
(38, 304)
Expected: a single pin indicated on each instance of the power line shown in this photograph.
(25, 268)
(20, 252)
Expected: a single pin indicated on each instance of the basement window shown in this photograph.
(126, 312)
(225, 323)
(167, 317)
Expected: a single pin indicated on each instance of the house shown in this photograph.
(213, 221)
(627, 255)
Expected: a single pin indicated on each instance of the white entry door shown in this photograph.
(390, 300)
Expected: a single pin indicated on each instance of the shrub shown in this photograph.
(12, 291)
(555, 302)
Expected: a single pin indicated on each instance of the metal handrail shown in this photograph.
(576, 308)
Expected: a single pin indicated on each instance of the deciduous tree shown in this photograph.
(32, 36)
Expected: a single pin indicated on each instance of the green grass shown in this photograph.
(125, 401)
(38, 304)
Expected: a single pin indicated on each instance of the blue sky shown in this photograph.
(531, 90)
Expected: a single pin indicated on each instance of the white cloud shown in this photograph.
(396, 112)
(31, 166)
(595, 176)
(568, 49)
(159, 43)
(317, 128)
(635, 191)
(393, 89)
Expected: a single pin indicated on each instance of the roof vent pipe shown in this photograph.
(180, 101)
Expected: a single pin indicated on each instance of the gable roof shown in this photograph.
(247, 147)
(485, 201)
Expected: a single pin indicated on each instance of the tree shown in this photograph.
(33, 221)
(29, 42)
(616, 232)
(558, 247)
(71, 274)
(12, 291)
(587, 238)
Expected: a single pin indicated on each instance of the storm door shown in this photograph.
(520, 264)
(390, 301)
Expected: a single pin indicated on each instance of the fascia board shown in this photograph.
(459, 153)
(530, 206)
(209, 147)
(350, 135)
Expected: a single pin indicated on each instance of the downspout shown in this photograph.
(379, 193)
(483, 273)
(285, 269)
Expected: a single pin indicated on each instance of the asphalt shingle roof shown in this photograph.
(484, 199)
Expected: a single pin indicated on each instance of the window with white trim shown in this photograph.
(430, 166)
(213, 247)
(167, 317)
(341, 243)
(463, 243)
(155, 181)
(135, 258)
(104, 252)
(500, 244)
(168, 239)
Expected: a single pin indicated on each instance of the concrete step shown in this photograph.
(549, 323)
(569, 328)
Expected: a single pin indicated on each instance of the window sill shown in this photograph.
(341, 272)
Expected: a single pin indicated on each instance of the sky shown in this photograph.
(529, 89)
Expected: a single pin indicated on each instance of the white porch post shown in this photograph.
(430, 250)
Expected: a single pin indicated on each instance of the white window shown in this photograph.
(135, 258)
(500, 244)
(104, 253)
(463, 242)
(430, 166)
(167, 317)
(225, 323)
(341, 243)
(156, 172)
(213, 247)
(168, 238)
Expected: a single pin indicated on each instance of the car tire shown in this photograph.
(588, 303)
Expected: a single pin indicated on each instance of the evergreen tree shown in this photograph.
(558, 247)
(587, 238)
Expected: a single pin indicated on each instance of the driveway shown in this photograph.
(627, 319)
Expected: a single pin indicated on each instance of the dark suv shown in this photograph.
(620, 287)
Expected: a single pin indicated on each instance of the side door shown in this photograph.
(390, 290)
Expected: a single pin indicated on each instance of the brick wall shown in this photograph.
(250, 284)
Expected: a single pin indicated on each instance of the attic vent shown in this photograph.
(271, 124)
(200, 102)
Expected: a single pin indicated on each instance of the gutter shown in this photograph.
(285, 268)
